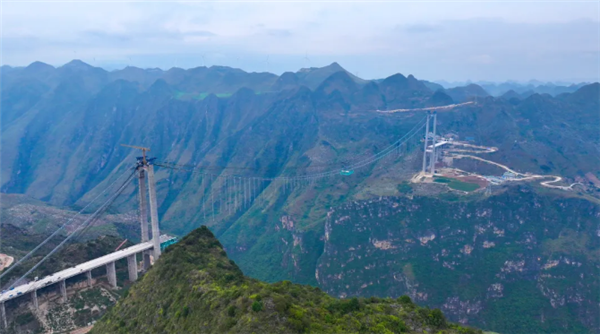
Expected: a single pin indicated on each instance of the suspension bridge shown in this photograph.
(222, 194)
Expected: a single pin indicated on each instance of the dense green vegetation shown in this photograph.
(289, 126)
(195, 288)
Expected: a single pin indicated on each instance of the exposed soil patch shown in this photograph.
(474, 179)
(593, 179)
(82, 330)
(5, 261)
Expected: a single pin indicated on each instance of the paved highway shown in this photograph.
(77, 270)
(450, 106)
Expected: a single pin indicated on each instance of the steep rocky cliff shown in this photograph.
(515, 262)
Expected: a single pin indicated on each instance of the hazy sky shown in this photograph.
(447, 40)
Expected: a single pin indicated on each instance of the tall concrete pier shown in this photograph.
(154, 213)
(144, 213)
(63, 290)
(34, 299)
(3, 315)
(88, 275)
(111, 274)
(132, 268)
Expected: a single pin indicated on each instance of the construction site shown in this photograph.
(442, 150)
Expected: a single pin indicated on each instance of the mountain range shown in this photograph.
(62, 129)
(526, 88)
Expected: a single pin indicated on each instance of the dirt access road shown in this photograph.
(525, 177)
(82, 330)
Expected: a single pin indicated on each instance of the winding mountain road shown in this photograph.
(524, 176)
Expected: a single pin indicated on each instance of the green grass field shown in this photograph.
(463, 186)
(441, 180)
(456, 184)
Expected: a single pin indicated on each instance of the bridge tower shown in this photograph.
(141, 168)
(432, 158)
(154, 212)
(144, 167)
(425, 145)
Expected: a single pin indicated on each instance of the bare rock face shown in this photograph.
(470, 259)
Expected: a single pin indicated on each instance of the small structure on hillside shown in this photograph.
(509, 175)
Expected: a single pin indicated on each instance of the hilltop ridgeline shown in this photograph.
(196, 288)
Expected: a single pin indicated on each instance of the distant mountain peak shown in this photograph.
(593, 86)
(39, 66)
(333, 67)
(159, 86)
(440, 98)
(285, 81)
(399, 81)
(175, 70)
(412, 80)
(588, 94)
(340, 81)
(394, 79)
(289, 75)
(336, 66)
(340, 75)
(511, 94)
(315, 76)
(466, 93)
(77, 64)
(225, 69)
(128, 67)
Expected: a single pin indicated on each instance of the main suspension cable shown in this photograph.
(358, 164)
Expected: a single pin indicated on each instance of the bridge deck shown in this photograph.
(77, 270)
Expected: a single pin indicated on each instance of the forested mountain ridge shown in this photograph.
(72, 119)
(62, 129)
(195, 288)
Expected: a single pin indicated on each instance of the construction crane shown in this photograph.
(124, 241)
(144, 149)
